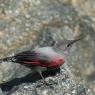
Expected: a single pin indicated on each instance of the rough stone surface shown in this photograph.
(25, 24)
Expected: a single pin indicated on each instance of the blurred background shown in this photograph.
(27, 24)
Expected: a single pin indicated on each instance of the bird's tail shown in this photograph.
(6, 59)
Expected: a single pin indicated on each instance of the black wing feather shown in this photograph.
(30, 56)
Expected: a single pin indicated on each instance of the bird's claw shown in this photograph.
(45, 83)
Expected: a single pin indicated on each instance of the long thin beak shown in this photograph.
(71, 42)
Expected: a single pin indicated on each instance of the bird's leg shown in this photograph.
(40, 73)
(40, 70)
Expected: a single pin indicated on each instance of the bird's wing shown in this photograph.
(30, 57)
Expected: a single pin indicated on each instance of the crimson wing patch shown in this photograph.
(31, 58)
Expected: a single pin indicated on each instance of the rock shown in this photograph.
(26, 24)
(85, 7)
(61, 84)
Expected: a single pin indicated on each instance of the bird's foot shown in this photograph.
(48, 84)
(45, 83)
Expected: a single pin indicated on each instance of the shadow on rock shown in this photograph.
(29, 78)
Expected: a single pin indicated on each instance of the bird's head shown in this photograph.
(66, 44)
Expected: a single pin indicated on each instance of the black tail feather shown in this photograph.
(6, 59)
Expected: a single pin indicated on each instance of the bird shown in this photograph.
(43, 58)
